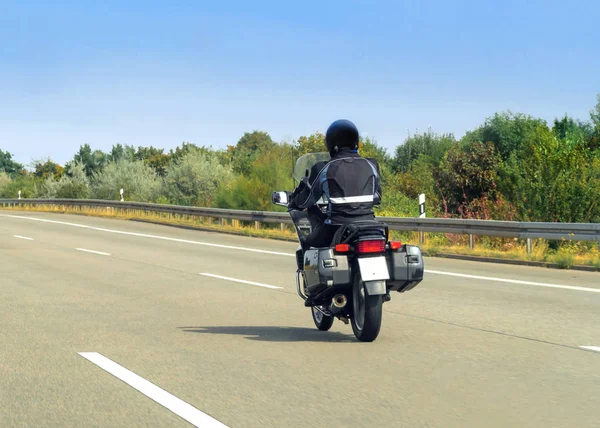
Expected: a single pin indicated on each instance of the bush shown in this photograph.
(195, 179)
(4, 181)
(139, 181)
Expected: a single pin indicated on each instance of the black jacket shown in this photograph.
(350, 183)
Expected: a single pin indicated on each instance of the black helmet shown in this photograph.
(341, 133)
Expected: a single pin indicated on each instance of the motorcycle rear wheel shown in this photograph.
(367, 312)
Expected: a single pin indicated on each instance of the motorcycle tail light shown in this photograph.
(395, 245)
(377, 246)
(342, 248)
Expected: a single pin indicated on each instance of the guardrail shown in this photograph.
(522, 230)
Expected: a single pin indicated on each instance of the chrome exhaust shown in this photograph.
(338, 303)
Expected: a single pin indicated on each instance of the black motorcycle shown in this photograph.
(352, 278)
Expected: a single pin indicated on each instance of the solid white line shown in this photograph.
(591, 348)
(23, 237)
(515, 281)
(162, 397)
(143, 235)
(258, 284)
(93, 252)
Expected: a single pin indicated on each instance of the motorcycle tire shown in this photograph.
(323, 322)
(367, 312)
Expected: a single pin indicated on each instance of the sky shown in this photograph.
(161, 73)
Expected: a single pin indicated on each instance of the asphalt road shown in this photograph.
(482, 351)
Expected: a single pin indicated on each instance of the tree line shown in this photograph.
(512, 167)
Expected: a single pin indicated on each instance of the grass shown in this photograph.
(565, 256)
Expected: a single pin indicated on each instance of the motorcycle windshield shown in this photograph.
(306, 162)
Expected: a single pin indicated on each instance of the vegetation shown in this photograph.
(512, 167)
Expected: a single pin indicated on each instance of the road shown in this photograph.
(481, 350)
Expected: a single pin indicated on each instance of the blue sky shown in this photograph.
(159, 73)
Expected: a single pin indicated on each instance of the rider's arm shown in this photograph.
(378, 181)
(305, 197)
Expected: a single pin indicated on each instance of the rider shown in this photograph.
(348, 182)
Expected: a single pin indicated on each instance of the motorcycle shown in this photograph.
(352, 278)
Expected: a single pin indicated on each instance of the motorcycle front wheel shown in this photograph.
(367, 312)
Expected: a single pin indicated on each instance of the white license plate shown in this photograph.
(373, 269)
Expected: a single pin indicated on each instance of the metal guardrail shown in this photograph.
(522, 230)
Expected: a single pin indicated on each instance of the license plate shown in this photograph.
(373, 269)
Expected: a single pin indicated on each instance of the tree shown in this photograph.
(467, 173)
(8, 165)
(138, 180)
(4, 181)
(314, 143)
(195, 179)
(508, 131)
(74, 184)
(595, 115)
(248, 149)
(92, 161)
(430, 144)
(554, 180)
(268, 173)
(119, 152)
(48, 168)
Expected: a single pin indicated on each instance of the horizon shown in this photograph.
(145, 74)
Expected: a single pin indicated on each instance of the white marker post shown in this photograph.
(422, 215)
(19, 194)
(122, 195)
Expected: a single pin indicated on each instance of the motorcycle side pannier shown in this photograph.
(406, 268)
(324, 267)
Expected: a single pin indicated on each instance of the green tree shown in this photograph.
(119, 152)
(554, 180)
(313, 143)
(8, 165)
(92, 161)
(430, 144)
(74, 184)
(467, 173)
(195, 179)
(4, 181)
(248, 149)
(508, 131)
(48, 168)
(269, 173)
(138, 180)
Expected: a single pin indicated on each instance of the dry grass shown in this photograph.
(568, 255)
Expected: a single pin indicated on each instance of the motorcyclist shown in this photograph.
(348, 182)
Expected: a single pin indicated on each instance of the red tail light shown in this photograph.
(377, 246)
(395, 245)
(342, 248)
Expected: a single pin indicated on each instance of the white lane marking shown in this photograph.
(143, 235)
(162, 397)
(515, 281)
(92, 251)
(23, 237)
(242, 281)
(591, 348)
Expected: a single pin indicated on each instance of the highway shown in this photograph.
(114, 323)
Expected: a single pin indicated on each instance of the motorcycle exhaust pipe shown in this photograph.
(338, 303)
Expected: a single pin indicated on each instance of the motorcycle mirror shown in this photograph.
(280, 198)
